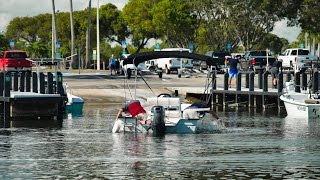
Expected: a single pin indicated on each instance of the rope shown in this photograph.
(147, 84)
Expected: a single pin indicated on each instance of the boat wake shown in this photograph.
(209, 124)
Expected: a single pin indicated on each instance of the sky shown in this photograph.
(20, 8)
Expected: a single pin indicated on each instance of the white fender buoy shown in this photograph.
(116, 126)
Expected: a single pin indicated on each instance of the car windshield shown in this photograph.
(259, 53)
(16, 55)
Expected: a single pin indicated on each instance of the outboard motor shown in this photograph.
(158, 125)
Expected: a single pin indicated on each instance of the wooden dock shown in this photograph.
(32, 96)
(251, 90)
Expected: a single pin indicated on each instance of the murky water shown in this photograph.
(259, 145)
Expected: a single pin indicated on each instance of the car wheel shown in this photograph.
(151, 69)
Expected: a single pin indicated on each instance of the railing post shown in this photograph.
(304, 81)
(297, 82)
(251, 88)
(22, 81)
(59, 82)
(247, 80)
(214, 81)
(280, 82)
(260, 78)
(238, 82)
(50, 83)
(15, 82)
(1, 83)
(34, 82)
(315, 85)
(28, 81)
(251, 81)
(226, 77)
(288, 77)
(265, 81)
(42, 84)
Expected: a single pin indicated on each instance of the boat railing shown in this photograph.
(291, 86)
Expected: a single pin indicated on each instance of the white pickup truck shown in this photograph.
(296, 58)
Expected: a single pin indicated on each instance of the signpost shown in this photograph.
(191, 47)
(157, 48)
(11, 43)
(58, 54)
(124, 46)
(229, 47)
(58, 44)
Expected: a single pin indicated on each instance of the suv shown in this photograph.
(219, 60)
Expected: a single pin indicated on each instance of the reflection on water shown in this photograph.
(256, 144)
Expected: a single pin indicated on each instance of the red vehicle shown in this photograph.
(15, 60)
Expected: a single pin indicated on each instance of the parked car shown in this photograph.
(15, 60)
(130, 67)
(258, 59)
(219, 60)
(173, 64)
(296, 58)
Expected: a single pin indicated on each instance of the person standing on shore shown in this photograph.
(112, 64)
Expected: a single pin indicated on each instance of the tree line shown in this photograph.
(208, 24)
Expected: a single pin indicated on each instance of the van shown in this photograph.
(173, 64)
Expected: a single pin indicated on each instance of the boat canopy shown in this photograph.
(145, 56)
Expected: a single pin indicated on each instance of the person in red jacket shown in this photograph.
(135, 109)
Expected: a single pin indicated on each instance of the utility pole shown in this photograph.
(88, 61)
(72, 35)
(98, 38)
(53, 38)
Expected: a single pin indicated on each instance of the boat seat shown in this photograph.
(164, 101)
(171, 105)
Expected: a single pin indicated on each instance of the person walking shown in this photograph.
(233, 70)
(112, 65)
(275, 69)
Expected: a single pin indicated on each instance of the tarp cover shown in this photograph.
(145, 56)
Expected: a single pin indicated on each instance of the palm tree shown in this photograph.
(72, 63)
(88, 38)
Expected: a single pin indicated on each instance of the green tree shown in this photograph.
(137, 13)
(112, 25)
(176, 22)
(4, 43)
(271, 42)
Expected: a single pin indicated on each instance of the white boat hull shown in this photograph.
(179, 126)
(297, 107)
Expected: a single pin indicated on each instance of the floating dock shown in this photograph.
(32, 96)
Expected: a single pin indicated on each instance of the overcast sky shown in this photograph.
(13, 8)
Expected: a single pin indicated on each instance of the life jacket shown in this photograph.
(135, 109)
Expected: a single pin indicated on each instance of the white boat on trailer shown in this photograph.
(166, 113)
